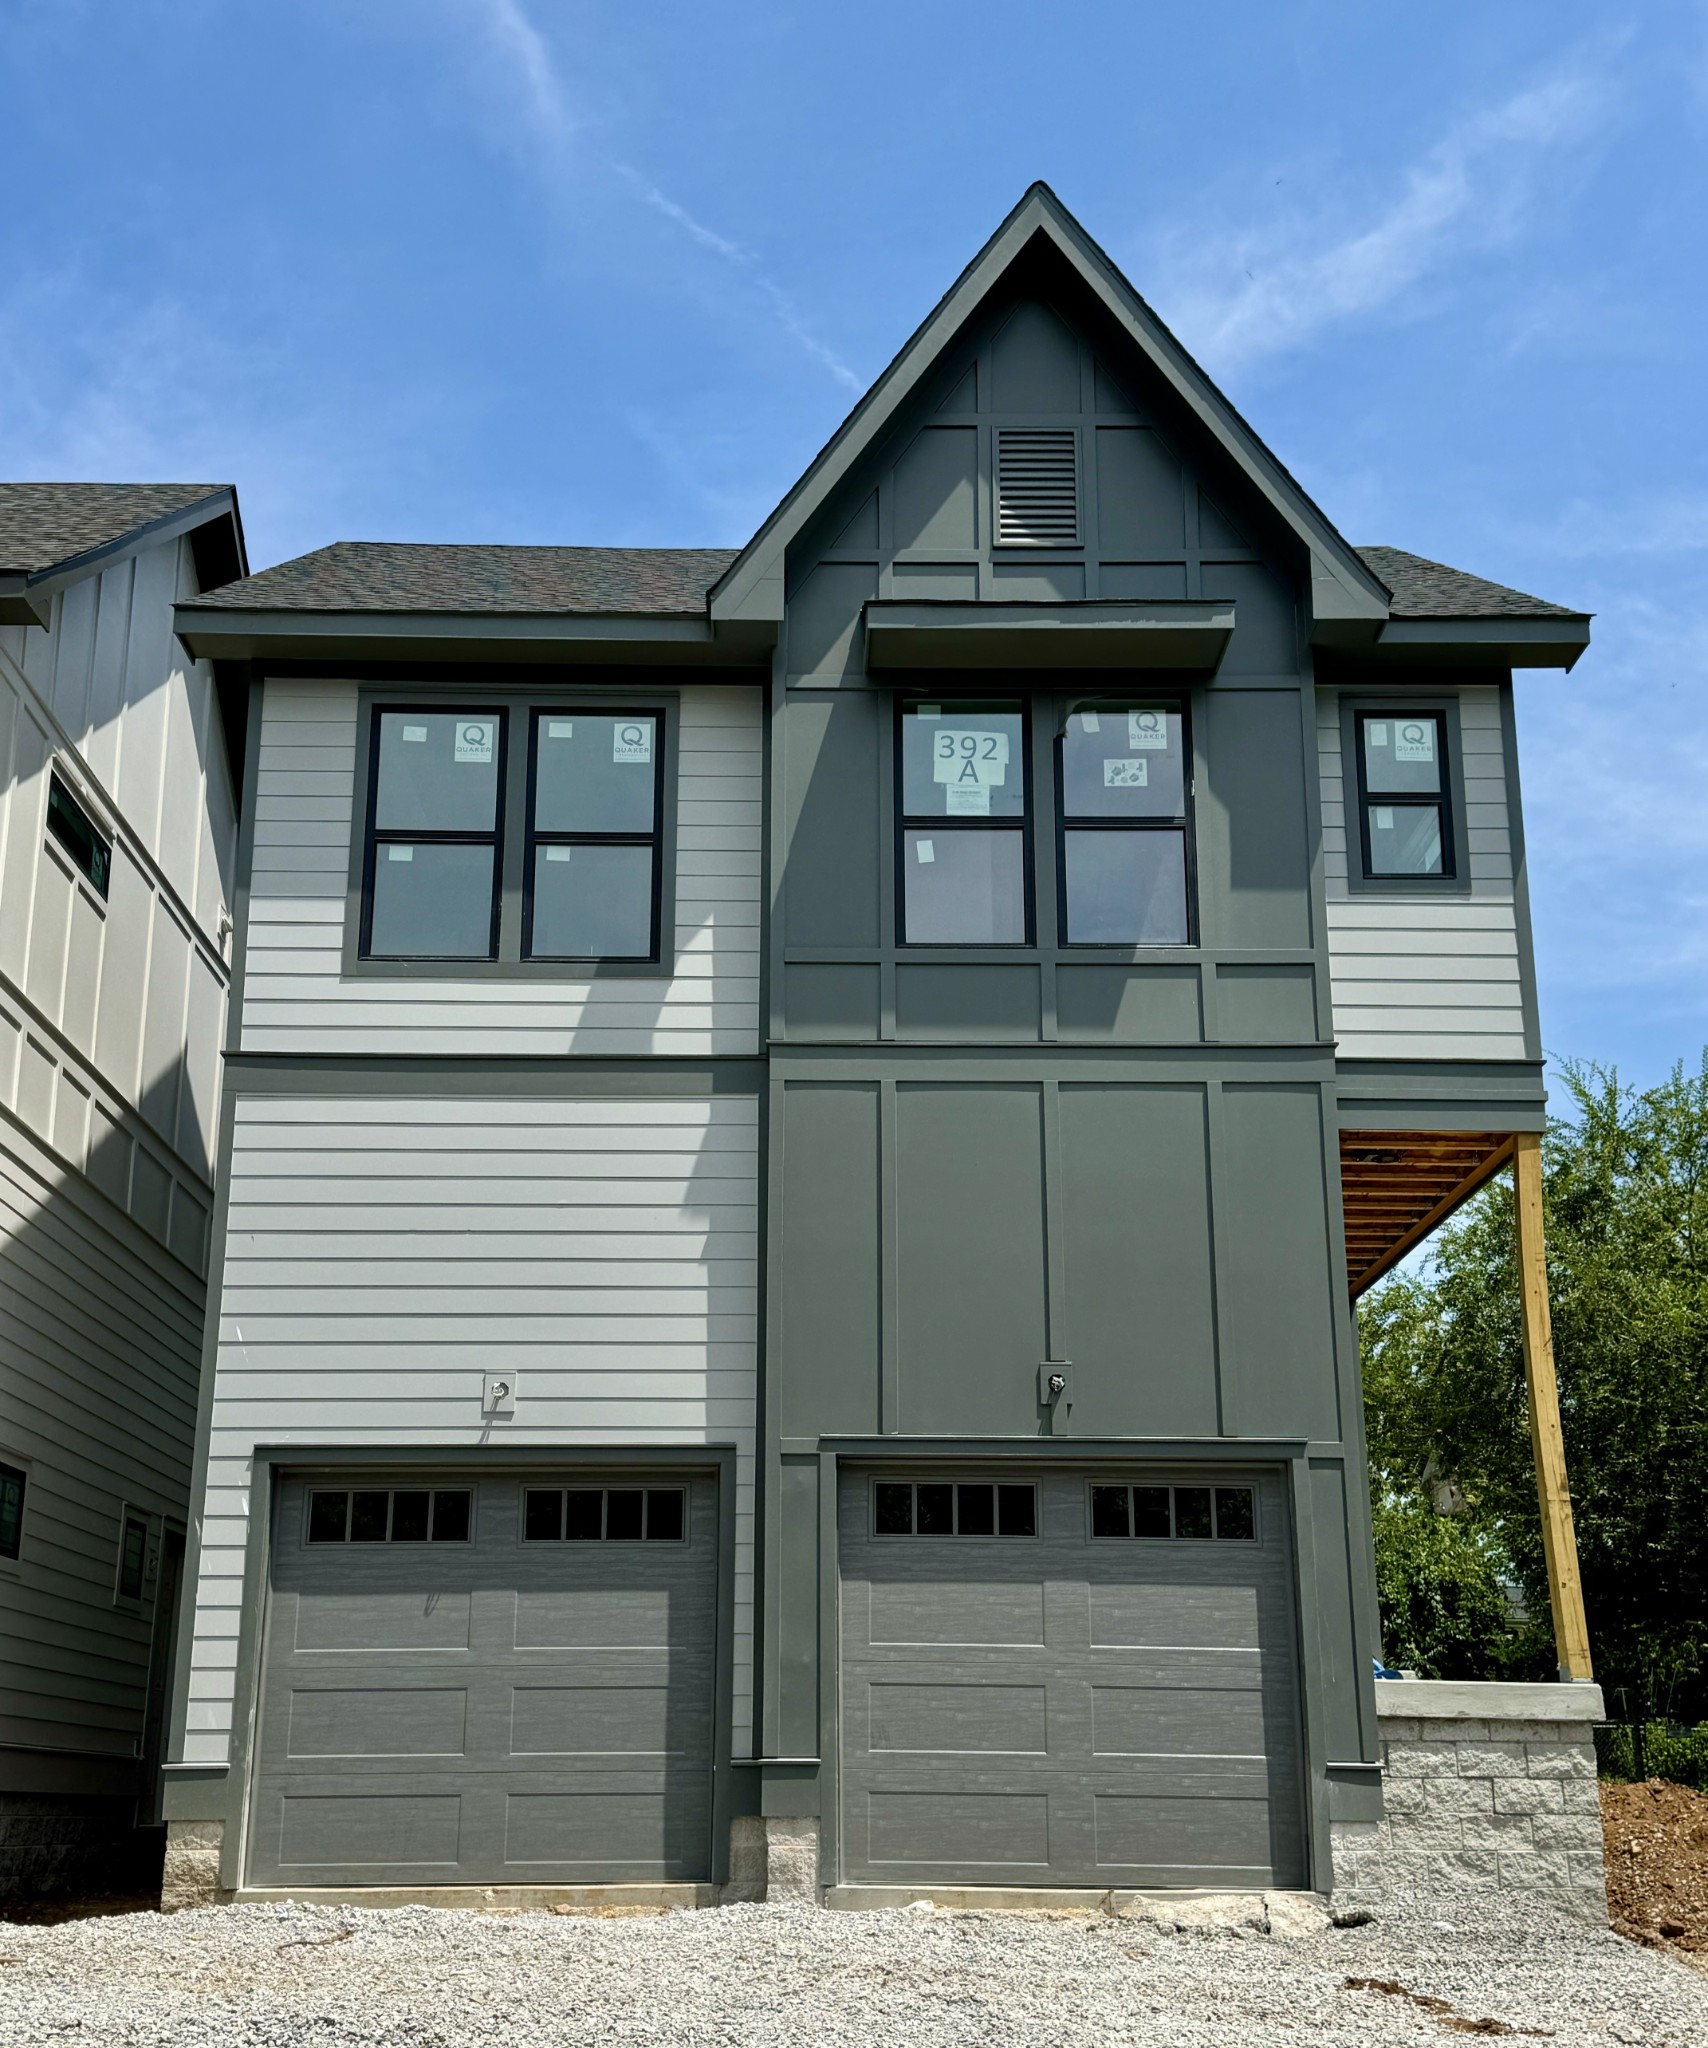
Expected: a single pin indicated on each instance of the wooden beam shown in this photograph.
(1559, 1540)
(1444, 1208)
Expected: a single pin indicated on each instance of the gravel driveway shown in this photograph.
(753, 1976)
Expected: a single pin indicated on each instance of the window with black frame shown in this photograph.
(595, 827)
(1122, 789)
(434, 835)
(1406, 815)
(12, 1483)
(964, 823)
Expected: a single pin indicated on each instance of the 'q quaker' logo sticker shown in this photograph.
(1147, 731)
(1414, 739)
(631, 739)
(474, 739)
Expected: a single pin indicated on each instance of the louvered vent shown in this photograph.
(1037, 487)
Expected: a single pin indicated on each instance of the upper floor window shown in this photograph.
(513, 832)
(965, 825)
(90, 850)
(1121, 779)
(1405, 812)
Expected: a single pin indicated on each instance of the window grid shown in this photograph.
(537, 837)
(380, 839)
(382, 1514)
(1403, 794)
(605, 1514)
(1174, 1513)
(959, 1508)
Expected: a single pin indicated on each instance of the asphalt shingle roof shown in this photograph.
(42, 525)
(405, 576)
(1430, 590)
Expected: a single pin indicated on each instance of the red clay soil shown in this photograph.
(1657, 1864)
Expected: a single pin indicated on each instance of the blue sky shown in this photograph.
(539, 270)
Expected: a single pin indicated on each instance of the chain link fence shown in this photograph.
(1637, 1750)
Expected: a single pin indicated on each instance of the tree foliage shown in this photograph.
(1625, 1196)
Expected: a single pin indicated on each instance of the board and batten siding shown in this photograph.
(382, 1256)
(1427, 977)
(295, 999)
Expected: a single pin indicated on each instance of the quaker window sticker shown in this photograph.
(1414, 739)
(631, 740)
(474, 739)
(1146, 730)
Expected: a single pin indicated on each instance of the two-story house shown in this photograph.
(801, 1127)
(118, 834)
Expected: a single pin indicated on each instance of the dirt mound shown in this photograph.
(1657, 1863)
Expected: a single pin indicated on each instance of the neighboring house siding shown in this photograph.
(1427, 977)
(382, 1256)
(100, 1350)
(295, 1001)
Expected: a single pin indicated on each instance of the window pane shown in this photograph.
(623, 1514)
(71, 825)
(1123, 761)
(542, 1520)
(451, 1517)
(894, 1508)
(936, 1511)
(963, 760)
(1234, 1515)
(1109, 1511)
(130, 1561)
(438, 771)
(1125, 888)
(592, 903)
(585, 1519)
(11, 1510)
(594, 774)
(976, 1510)
(1016, 1511)
(1150, 1511)
(1405, 839)
(1402, 755)
(409, 1510)
(1191, 1511)
(327, 1515)
(964, 888)
(664, 1515)
(432, 902)
(368, 1517)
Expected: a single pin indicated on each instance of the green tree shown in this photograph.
(1625, 1180)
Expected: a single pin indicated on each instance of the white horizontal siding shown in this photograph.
(296, 1001)
(1427, 978)
(383, 1256)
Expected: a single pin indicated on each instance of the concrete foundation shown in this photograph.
(1485, 1788)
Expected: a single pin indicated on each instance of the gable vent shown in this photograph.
(1037, 487)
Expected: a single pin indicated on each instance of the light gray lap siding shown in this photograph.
(383, 1255)
(306, 801)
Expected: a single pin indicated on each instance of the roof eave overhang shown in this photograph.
(1342, 586)
(241, 634)
(26, 597)
(1165, 634)
(1466, 643)
(19, 604)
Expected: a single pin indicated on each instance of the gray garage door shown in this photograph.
(1068, 1678)
(477, 1681)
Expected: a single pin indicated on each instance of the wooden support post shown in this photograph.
(1559, 1543)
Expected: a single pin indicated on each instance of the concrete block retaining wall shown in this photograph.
(1485, 1787)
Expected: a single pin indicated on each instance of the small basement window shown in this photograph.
(1405, 814)
(605, 1514)
(941, 1507)
(12, 1485)
(90, 849)
(389, 1514)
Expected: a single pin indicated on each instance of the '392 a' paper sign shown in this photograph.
(967, 759)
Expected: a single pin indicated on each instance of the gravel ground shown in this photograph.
(286, 1976)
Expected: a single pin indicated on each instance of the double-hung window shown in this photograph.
(965, 825)
(514, 832)
(1121, 785)
(437, 779)
(1406, 816)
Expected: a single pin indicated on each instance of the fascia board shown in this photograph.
(1343, 587)
(1512, 643)
(170, 526)
(1184, 634)
(246, 635)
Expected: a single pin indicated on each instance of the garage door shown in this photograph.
(1068, 1678)
(480, 1681)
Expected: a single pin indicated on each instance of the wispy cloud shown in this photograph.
(1252, 292)
(517, 44)
(1673, 522)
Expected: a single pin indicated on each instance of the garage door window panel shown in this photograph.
(612, 1514)
(934, 1507)
(1180, 1513)
(373, 1514)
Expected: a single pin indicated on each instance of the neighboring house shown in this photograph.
(801, 1128)
(118, 836)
